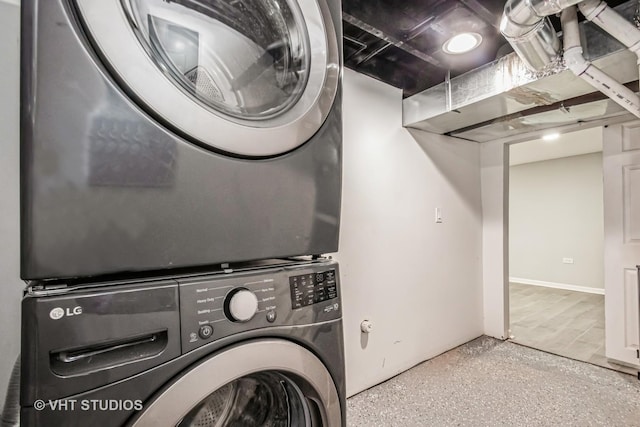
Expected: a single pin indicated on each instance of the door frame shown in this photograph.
(495, 210)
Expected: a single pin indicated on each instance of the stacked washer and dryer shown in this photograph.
(181, 178)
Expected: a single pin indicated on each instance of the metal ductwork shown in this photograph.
(533, 89)
(526, 27)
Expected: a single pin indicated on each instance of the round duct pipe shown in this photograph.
(528, 30)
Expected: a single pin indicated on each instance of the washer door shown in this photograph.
(248, 77)
(266, 383)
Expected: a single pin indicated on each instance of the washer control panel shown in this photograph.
(221, 305)
(313, 288)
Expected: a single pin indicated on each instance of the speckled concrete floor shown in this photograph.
(492, 383)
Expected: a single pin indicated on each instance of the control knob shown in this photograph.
(241, 305)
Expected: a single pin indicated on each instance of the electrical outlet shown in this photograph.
(567, 260)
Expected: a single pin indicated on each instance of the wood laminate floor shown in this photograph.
(558, 321)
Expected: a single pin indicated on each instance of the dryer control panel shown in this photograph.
(214, 307)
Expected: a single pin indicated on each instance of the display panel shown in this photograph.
(312, 288)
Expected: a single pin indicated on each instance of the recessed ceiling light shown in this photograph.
(462, 43)
(551, 136)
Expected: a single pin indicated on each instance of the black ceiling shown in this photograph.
(400, 42)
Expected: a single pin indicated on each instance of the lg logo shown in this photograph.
(59, 313)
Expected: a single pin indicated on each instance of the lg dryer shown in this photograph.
(161, 134)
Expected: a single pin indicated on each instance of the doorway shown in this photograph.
(556, 245)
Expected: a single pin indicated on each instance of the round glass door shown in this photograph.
(265, 399)
(246, 59)
(249, 77)
(267, 383)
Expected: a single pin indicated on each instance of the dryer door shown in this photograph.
(261, 383)
(248, 77)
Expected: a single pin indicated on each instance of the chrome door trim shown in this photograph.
(175, 402)
(115, 38)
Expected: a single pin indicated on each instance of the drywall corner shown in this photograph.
(417, 281)
(495, 210)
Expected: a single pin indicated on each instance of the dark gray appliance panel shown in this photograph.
(106, 188)
(79, 341)
(320, 338)
(202, 301)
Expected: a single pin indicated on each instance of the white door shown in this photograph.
(621, 157)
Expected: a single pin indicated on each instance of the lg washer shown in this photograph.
(261, 346)
(162, 134)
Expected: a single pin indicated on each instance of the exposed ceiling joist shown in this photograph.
(391, 40)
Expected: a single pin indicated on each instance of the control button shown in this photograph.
(241, 305)
(319, 277)
(205, 332)
(271, 316)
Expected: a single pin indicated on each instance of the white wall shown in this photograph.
(10, 284)
(419, 282)
(495, 249)
(556, 212)
(583, 141)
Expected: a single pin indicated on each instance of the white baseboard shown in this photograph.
(564, 286)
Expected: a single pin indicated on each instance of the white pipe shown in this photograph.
(609, 20)
(584, 69)
(603, 16)
(570, 29)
